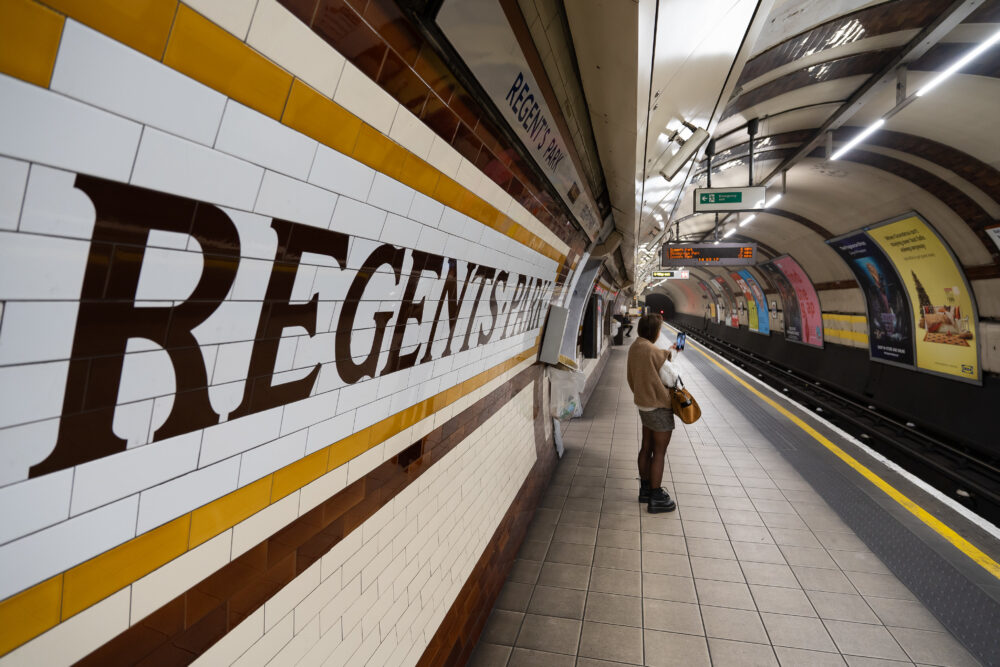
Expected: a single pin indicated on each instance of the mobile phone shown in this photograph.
(681, 339)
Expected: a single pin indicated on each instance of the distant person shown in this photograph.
(650, 376)
(626, 323)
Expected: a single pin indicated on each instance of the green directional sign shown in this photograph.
(720, 197)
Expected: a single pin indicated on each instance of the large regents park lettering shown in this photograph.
(109, 315)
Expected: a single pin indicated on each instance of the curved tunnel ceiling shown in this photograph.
(939, 156)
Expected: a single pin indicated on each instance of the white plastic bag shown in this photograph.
(565, 387)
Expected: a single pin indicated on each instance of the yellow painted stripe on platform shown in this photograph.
(916, 510)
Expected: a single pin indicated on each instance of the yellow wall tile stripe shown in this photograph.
(39, 608)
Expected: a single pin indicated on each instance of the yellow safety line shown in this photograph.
(916, 510)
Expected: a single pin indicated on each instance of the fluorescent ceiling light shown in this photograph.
(748, 220)
(773, 201)
(659, 223)
(716, 243)
(728, 234)
(864, 134)
(959, 64)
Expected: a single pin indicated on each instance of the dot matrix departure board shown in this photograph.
(700, 254)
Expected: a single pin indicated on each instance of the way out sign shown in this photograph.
(711, 200)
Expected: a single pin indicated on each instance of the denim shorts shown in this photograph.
(660, 419)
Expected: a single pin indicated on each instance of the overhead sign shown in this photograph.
(680, 274)
(699, 254)
(711, 200)
(482, 35)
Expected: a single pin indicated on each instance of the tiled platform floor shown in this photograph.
(752, 569)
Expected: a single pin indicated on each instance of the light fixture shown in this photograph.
(688, 148)
(716, 243)
(959, 64)
(749, 219)
(659, 223)
(729, 233)
(864, 134)
(774, 200)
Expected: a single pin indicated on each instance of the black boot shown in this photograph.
(644, 490)
(660, 501)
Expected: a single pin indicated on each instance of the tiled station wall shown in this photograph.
(266, 345)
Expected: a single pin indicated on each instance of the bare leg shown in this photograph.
(660, 440)
(646, 454)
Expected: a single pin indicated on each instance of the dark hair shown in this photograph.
(649, 326)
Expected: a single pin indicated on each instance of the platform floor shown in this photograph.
(754, 568)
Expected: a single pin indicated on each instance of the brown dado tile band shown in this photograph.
(188, 625)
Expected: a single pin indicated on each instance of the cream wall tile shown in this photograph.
(365, 99)
(412, 133)
(34, 503)
(320, 490)
(48, 552)
(263, 651)
(290, 596)
(444, 158)
(234, 643)
(286, 40)
(334, 559)
(42, 126)
(267, 458)
(361, 465)
(296, 649)
(169, 500)
(13, 178)
(164, 584)
(251, 532)
(342, 174)
(181, 167)
(233, 15)
(112, 477)
(328, 642)
(74, 638)
(251, 135)
(290, 199)
(107, 74)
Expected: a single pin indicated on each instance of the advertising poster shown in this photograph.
(890, 325)
(789, 302)
(810, 313)
(720, 302)
(944, 316)
(733, 317)
(751, 305)
(763, 321)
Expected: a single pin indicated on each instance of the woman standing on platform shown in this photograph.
(650, 373)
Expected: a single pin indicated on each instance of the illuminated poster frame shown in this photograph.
(789, 302)
(763, 317)
(731, 304)
(753, 317)
(805, 295)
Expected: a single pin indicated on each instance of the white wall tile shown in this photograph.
(13, 178)
(425, 210)
(164, 584)
(267, 458)
(294, 592)
(342, 174)
(167, 501)
(32, 392)
(357, 219)
(37, 331)
(174, 165)
(52, 205)
(391, 195)
(112, 477)
(239, 435)
(365, 99)
(233, 15)
(309, 411)
(48, 552)
(256, 138)
(35, 503)
(75, 637)
(107, 74)
(42, 126)
(411, 133)
(286, 40)
(23, 446)
(234, 643)
(251, 532)
(444, 158)
(330, 431)
(289, 199)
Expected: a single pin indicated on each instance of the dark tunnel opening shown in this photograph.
(662, 304)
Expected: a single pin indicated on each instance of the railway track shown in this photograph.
(954, 469)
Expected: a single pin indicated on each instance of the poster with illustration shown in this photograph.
(789, 302)
(709, 297)
(760, 301)
(809, 308)
(943, 314)
(731, 316)
(890, 326)
(751, 305)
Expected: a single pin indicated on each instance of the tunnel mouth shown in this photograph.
(662, 304)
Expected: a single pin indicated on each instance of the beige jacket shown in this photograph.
(643, 373)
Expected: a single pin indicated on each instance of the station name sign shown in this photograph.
(712, 200)
(700, 254)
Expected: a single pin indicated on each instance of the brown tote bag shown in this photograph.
(684, 404)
